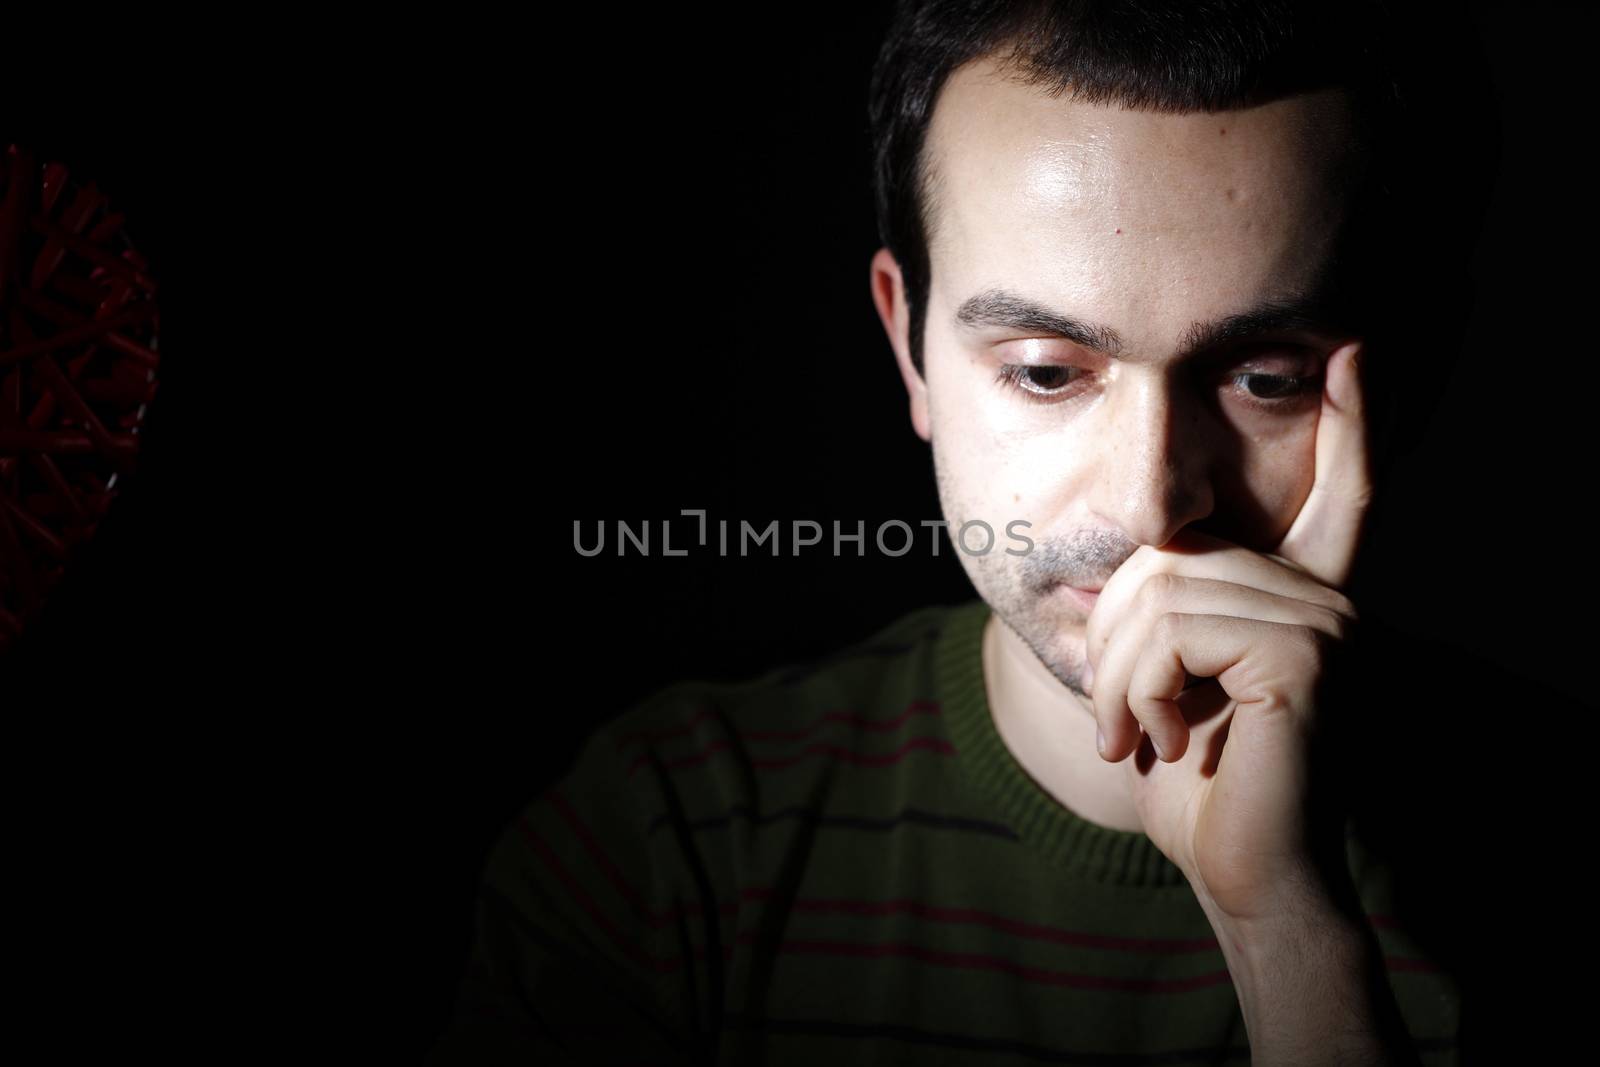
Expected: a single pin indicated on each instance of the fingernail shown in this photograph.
(1157, 746)
(1100, 739)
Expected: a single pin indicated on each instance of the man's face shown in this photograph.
(1144, 226)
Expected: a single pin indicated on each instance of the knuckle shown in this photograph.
(1335, 625)
(1316, 646)
(1343, 605)
(1167, 625)
(1159, 590)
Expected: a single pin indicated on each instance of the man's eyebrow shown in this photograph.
(1297, 313)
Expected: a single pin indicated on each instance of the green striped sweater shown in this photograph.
(842, 863)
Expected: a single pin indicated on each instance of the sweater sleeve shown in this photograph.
(584, 919)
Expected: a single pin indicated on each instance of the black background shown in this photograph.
(431, 294)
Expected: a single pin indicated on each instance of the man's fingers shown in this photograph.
(1116, 694)
(1255, 661)
(1326, 535)
(1227, 579)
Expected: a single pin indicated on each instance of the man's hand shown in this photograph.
(1225, 792)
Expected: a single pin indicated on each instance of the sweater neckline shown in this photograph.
(1042, 823)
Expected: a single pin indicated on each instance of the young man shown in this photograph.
(1094, 815)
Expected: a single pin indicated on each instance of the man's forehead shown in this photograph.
(1142, 220)
(1050, 152)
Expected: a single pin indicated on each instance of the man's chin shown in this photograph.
(1062, 650)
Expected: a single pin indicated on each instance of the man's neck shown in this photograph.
(1050, 731)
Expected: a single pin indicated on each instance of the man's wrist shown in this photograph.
(1313, 988)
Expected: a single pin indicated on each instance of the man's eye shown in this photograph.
(1270, 386)
(1277, 390)
(1043, 381)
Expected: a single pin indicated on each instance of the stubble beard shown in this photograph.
(1055, 637)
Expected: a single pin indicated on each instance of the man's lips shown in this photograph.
(1084, 598)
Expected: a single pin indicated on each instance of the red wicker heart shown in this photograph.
(78, 324)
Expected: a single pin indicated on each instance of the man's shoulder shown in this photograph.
(701, 744)
(892, 661)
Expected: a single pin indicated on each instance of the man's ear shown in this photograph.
(889, 294)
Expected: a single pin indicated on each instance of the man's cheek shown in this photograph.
(1278, 477)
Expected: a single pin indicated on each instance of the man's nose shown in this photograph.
(1151, 476)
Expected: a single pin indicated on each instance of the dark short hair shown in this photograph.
(1174, 56)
